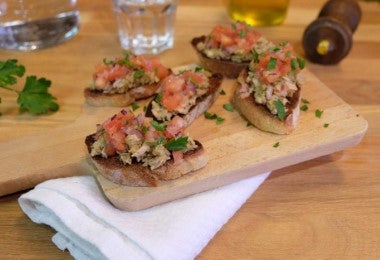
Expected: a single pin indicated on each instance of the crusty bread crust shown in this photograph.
(261, 117)
(98, 98)
(227, 68)
(141, 176)
(202, 103)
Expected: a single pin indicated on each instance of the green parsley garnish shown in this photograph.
(326, 125)
(272, 63)
(34, 97)
(210, 116)
(219, 120)
(276, 145)
(144, 108)
(318, 113)
(158, 97)
(242, 33)
(284, 43)
(158, 126)
(304, 107)
(134, 106)
(275, 48)
(228, 107)
(158, 142)
(301, 63)
(305, 101)
(293, 64)
(138, 74)
(280, 109)
(108, 62)
(255, 56)
(222, 92)
(198, 69)
(177, 144)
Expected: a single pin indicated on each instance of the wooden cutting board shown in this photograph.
(235, 150)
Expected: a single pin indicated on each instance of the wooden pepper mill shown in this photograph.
(328, 39)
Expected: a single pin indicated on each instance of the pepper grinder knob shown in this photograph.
(328, 39)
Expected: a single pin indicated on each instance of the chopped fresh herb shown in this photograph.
(288, 54)
(293, 64)
(209, 115)
(255, 56)
(219, 120)
(301, 63)
(326, 125)
(222, 92)
(144, 129)
(108, 62)
(305, 101)
(276, 145)
(272, 63)
(280, 109)
(126, 61)
(318, 113)
(242, 33)
(198, 69)
(178, 144)
(138, 74)
(158, 126)
(284, 43)
(134, 106)
(158, 97)
(304, 107)
(275, 48)
(144, 108)
(228, 107)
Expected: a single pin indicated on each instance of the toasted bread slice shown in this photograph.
(261, 117)
(98, 98)
(202, 103)
(138, 175)
(227, 68)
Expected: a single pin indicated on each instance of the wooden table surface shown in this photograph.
(326, 208)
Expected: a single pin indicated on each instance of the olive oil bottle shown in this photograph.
(258, 12)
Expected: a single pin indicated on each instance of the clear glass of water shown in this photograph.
(34, 24)
(145, 26)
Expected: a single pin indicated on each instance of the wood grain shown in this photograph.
(325, 208)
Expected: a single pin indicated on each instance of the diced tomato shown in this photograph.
(175, 127)
(150, 64)
(173, 92)
(114, 130)
(177, 157)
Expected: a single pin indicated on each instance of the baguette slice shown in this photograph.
(99, 99)
(124, 80)
(261, 117)
(203, 102)
(141, 176)
(227, 68)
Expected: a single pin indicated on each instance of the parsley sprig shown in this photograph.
(34, 97)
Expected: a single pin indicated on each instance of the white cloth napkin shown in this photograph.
(91, 228)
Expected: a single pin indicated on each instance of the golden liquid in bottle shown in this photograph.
(258, 12)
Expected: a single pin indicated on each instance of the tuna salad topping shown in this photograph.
(139, 139)
(233, 42)
(121, 74)
(273, 77)
(179, 93)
